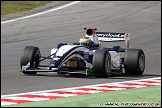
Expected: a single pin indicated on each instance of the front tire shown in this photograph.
(30, 54)
(102, 63)
(134, 62)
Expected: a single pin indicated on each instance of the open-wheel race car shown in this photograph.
(87, 57)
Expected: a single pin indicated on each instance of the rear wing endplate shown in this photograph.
(113, 37)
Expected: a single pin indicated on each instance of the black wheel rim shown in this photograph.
(142, 62)
(36, 61)
(107, 64)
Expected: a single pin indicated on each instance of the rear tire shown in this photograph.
(102, 63)
(134, 62)
(30, 54)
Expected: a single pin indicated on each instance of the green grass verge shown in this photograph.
(9, 7)
(149, 95)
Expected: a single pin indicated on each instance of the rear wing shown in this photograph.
(113, 37)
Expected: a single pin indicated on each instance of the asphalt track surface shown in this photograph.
(142, 19)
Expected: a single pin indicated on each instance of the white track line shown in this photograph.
(8, 103)
(44, 12)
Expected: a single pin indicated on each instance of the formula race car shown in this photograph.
(86, 57)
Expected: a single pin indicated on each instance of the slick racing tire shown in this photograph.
(134, 62)
(102, 63)
(30, 54)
